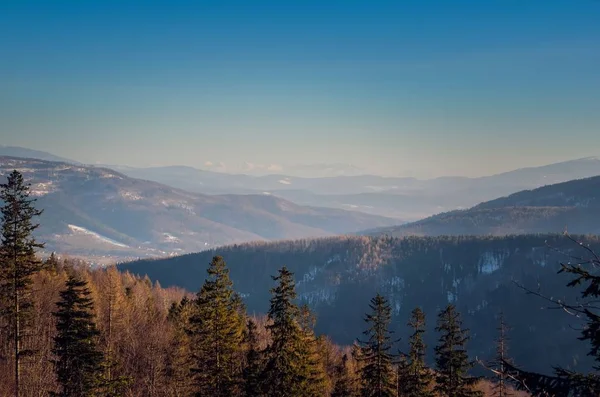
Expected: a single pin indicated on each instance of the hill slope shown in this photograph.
(337, 277)
(96, 211)
(573, 205)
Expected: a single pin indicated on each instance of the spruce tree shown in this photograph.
(452, 360)
(216, 329)
(377, 372)
(283, 373)
(253, 386)
(179, 361)
(312, 370)
(415, 377)
(18, 263)
(78, 363)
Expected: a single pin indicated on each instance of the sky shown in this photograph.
(413, 88)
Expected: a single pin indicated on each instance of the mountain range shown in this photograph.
(106, 215)
(406, 199)
(573, 206)
(403, 198)
(97, 212)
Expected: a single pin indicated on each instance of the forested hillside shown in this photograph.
(337, 276)
(69, 330)
(572, 206)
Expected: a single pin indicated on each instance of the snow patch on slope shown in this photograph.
(490, 262)
(81, 230)
(42, 189)
(130, 195)
(179, 204)
(323, 295)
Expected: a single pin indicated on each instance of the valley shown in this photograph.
(300, 199)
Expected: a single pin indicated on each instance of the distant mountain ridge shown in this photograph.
(406, 199)
(572, 206)
(96, 212)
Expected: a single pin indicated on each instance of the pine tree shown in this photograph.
(283, 373)
(216, 329)
(415, 377)
(18, 263)
(452, 360)
(78, 363)
(377, 372)
(343, 384)
(253, 386)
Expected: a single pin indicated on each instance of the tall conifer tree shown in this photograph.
(18, 263)
(452, 360)
(377, 372)
(415, 377)
(283, 372)
(180, 361)
(78, 363)
(312, 369)
(216, 329)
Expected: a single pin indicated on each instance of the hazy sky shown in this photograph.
(421, 88)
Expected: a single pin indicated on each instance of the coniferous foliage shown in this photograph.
(18, 263)
(78, 363)
(415, 377)
(253, 385)
(311, 366)
(216, 328)
(283, 373)
(180, 360)
(377, 372)
(452, 360)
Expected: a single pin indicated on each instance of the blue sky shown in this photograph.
(421, 88)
